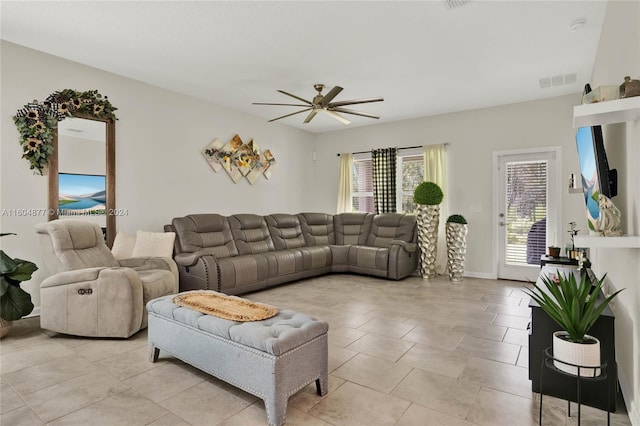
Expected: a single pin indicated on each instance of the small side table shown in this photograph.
(548, 362)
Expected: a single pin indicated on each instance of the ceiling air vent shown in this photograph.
(557, 80)
(452, 4)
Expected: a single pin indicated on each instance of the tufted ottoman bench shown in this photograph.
(271, 359)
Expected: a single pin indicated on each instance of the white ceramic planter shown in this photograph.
(583, 354)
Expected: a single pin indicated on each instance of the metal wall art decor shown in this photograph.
(240, 159)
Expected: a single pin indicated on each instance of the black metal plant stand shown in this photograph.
(548, 362)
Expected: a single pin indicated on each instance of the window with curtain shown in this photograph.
(384, 164)
(362, 186)
(409, 174)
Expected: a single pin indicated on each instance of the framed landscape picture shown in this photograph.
(81, 194)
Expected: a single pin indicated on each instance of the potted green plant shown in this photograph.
(456, 232)
(575, 307)
(14, 301)
(428, 196)
(554, 251)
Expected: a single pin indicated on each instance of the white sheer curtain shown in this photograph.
(435, 170)
(345, 204)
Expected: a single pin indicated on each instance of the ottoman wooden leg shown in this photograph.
(153, 353)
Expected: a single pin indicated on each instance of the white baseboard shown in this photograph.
(34, 313)
(484, 275)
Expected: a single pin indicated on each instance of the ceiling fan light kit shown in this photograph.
(322, 104)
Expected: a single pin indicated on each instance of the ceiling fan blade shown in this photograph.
(289, 115)
(336, 116)
(355, 101)
(350, 111)
(265, 103)
(329, 96)
(310, 117)
(296, 97)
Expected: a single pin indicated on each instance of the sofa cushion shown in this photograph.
(387, 227)
(285, 231)
(240, 271)
(352, 228)
(317, 228)
(211, 231)
(251, 234)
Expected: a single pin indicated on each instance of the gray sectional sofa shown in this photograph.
(246, 252)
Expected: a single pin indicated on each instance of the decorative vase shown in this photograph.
(582, 354)
(456, 249)
(428, 219)
(5, 326)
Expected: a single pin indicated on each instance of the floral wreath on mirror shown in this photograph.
(37, 122)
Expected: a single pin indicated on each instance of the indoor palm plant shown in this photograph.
(428, 196)
(14, 301)
(456, 233)
(575, 307)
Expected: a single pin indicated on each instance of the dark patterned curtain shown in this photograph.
(383, 163)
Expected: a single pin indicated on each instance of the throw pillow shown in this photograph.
(154, 244)
(123, 245)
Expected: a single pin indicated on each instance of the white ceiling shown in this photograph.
(421, 56)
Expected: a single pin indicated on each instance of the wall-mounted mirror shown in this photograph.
(82, 172)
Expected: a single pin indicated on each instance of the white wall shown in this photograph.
(160, 172)
(473, 137)
(619, 55)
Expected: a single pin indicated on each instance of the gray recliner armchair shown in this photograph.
(90, 292)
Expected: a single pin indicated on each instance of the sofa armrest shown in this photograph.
(73, 277)
(408, 247)
(103, 301)
(149, 263)
(403, 259)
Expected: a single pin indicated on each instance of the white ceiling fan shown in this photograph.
(322, 103)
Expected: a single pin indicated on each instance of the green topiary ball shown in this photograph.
(457, 218)
(428, 193)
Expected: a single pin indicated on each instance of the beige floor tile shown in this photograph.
(372, 372)
(100, 349)
(40, 376)
(512, 321)
(417, 415)
(498, 375)
(308, 396)
(352, 404)
(441, 393)
(495, 408)
(442, 361)
(38, 353)
(489, 349)
(209, 402)
(338, 356)
(344, 336)
(517, 337)
(126, 408)
(22, 416)
(169, 420)
(385, 327)
(523, 358)
(9, 398)
(128, 364)
(434, 337)
(381, 347)
(64, 398)
(122, 384)
(519, 311)
(485, 331)
(164, 381)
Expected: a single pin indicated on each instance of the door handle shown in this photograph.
(501, 223)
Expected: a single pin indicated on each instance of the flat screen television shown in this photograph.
(597, 178)
(80, 194)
